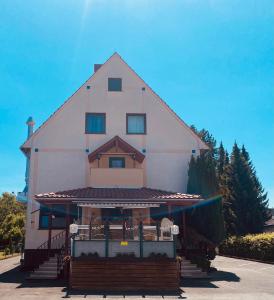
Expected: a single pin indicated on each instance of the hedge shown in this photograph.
(253, 246)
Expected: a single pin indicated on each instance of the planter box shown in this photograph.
(125, 274)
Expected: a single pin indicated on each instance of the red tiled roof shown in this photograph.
(118, 193)
(116, 141)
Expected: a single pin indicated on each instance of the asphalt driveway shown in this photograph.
(235, 279)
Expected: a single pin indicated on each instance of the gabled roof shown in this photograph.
(25, 145)
(90, 193)
(116, 142)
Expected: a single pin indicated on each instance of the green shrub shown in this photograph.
(201, 261)
(254, 246)
(7, 251)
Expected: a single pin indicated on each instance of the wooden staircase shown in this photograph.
(51, 265)
(190, 270)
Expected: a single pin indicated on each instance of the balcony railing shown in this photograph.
(115, 240)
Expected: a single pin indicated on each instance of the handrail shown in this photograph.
(54, 238)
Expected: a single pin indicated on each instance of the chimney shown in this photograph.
(30, 124)
(97, 67)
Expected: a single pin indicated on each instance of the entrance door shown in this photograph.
(119, 220)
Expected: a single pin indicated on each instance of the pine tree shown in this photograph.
(245, 204)
(225, 190)
(221, 161)
(192, 176)
(258, 197)
(245, 196)
(202, 177)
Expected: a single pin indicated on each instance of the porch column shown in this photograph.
(124, 225)
(49, 226)
(169, 207)
(67, 228)
(184, 225)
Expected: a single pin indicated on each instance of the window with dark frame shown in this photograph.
(114, 84)
(58, 212)
(117, 162)
(58, 216)
(136, 124)
(95, 123)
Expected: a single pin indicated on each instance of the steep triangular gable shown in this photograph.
(27, 143)
(116, 142)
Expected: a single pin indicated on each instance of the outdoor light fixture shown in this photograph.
(174, 229)
(73, 228)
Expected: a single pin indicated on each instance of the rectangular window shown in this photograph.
(58, 216)
(96, 123)
(136, 123)
(117, 162)
(114, 84)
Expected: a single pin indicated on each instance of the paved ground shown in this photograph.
(235, 279)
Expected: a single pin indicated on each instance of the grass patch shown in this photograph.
(3, 256)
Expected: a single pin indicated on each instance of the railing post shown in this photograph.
(49, 229)
(141, 238)
(89, 232)
(106, 238)
(158, 230)
(174, 246)
(124, 226)
(67, 229)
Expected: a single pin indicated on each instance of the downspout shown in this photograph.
(30, 124)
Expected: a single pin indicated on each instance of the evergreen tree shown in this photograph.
(245, 204)
(245, 195)
(225, 190)
(202, 177)
(221, 161)
(258, 197)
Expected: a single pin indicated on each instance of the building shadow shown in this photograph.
(224, 276)
(197, 283)
(209, 282)
(21, 278)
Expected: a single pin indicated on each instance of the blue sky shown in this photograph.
(212, 61)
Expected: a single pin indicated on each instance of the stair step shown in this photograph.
(47, 263)
(38, 272)
(196, 276)
(38, 276)
(191, 267)
(47, 268)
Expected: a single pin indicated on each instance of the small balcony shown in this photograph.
(117, 177)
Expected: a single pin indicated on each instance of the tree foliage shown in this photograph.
(245, 204)
(12, 219)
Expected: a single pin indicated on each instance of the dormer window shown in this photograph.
(115, 84)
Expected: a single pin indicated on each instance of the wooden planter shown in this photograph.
(125, 274)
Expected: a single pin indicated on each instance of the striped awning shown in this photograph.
(116, 204)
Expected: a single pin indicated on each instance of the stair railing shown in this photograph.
(58, 242)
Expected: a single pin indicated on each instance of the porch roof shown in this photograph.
(125, 195)
(116, 142)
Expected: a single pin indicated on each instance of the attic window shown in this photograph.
(114, 84)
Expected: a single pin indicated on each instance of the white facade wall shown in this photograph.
(62, 162)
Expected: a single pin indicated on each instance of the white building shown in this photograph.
(113, 132)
